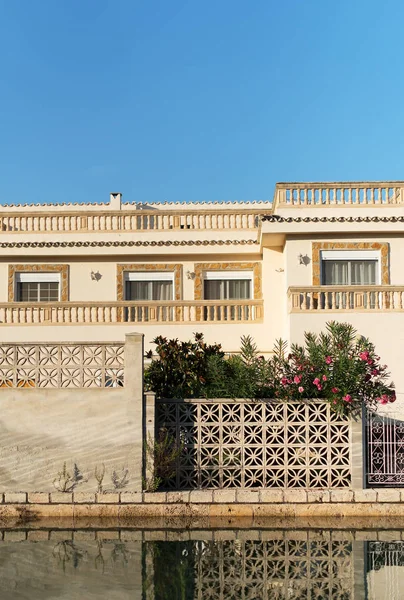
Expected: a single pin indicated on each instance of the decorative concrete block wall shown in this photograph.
(260, 444)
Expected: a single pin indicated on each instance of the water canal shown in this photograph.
(202, 564)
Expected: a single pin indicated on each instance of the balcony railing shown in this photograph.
(358, 194)
(346, 298)
(127, 221)
(95, 313)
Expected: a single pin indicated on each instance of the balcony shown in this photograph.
(130, 221)
(341, 194)
(99, 313)
(346, 298)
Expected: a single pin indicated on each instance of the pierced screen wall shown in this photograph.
(62, 365)
(262, 444)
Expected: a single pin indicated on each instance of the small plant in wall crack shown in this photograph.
(161, 456)
(67, 481)
(99, 474)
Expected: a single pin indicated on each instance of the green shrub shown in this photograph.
(336, 365)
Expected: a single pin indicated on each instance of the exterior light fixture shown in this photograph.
(95, 276)
(303, 259)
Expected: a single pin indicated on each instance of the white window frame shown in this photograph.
(149, 276)
(36, 277)
(352, 255)
(215, 275)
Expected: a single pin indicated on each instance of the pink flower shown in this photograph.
(364, 355)
(319, 387)
(301, 389)
(316, 381)
(324, 378)
(369, 361)
(384, 399)
(328, 360)
(374, 372)
(335, 390)
(347, 398)
(334, 402)
(297, 379)
(284, 381)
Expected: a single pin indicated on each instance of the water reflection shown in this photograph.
(385, 570)
(201, 565)
(300, 565)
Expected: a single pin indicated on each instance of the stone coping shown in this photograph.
(216, 497)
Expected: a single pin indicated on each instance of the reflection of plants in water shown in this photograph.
(99, 561)
(66, 552)
(119, 553)
(173, 566)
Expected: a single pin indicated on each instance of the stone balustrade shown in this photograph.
(342, 194)
(346, 298)
(66, 313)
(145, 220)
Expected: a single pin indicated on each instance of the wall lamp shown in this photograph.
(303, 259)
(95, 276)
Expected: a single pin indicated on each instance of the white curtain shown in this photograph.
(349, 272)
(149, 290)
(227, 289)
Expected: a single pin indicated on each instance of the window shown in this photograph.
(228, 285)
(149, 287)
(349, 268)
(37, 287)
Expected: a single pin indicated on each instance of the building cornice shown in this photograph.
(129, 243)
(279, 219)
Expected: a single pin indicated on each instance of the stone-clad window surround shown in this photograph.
(255, 267)
(152, 268)
(39, 268)
(383, 247)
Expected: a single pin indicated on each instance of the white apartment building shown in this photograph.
(317, 252)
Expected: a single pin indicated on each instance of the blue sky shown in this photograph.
(191, 100)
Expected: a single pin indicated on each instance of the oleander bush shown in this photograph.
(337, 365)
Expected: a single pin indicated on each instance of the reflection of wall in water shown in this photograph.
(66, 569)
(283, 565)
(385, 570)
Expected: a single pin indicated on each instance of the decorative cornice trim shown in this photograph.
(140, 205)
(279, 219)
(129, 243)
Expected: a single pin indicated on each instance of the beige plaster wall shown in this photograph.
(40, 429)
(274, 294)
(226, 334)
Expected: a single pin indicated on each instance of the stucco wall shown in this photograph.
(40, 429)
